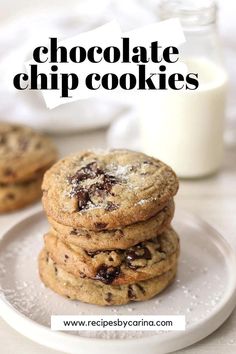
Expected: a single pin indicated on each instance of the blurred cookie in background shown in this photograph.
(24, 157)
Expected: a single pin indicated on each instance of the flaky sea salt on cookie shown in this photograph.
(107, 190)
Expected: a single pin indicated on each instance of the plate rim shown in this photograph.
(195, 333)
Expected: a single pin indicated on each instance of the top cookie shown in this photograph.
(24, 154)
(107, 189)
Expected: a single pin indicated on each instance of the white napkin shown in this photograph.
(21, 36)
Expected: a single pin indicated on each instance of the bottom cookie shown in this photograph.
(16, 196)
(96, 292)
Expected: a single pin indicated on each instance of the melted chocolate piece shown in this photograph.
(89, 171)
(108, 297)
(141, 289)
(73, 232)
(100, 225)
(100, 188)
(140, 252)
(111, 206)
(83, 198)
(107, 274)
(9, 172)
(92, 253)
(10, 196)
(23, 143)
(38, 145)
(131, 293)
(3, 139)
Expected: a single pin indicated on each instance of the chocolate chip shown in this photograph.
(100, 225)
(131, 293)
(55, 268)
(68, 297)
(89, 171)
(92, 253)
(9, 172)
(110, 259)
(100, 188)
(15, 128)
(120, 233)
(108, 297)
(139, 252)
(3, 139)
(83, 198)
(38, 146)
(10, 196)
(23, 143)
(66, 257)
(141, 288)
(111, 206)
(73, 232)
(107, 274)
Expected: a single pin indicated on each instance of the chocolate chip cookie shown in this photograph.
(24, 153)
(96, 292)
(122, 238)
(106, 190)
(15, 196)
(143, 261)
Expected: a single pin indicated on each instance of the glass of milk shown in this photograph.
(185, 128)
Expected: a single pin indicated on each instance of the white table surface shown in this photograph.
(214, 199)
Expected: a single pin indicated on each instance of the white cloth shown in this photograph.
(21, 36)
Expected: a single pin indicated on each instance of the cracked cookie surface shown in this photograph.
(105, 190)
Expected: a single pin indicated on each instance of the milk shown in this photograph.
(185, 128)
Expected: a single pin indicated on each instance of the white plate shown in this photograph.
(204, 291)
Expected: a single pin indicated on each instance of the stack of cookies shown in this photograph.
(24, 157)
(110, 240)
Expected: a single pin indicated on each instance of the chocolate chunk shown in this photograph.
(141, 288)
(9, 172)
(100, 225)
(83, 198)
(38, 145)
(140, 252)
(89, 171)
(107, 274)
(100, 188)
(3, 139)
(23, 143)
(10, 196)
(73, 232)
(108, 297)
(111, 206)
(131, 293)
(92, 253)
